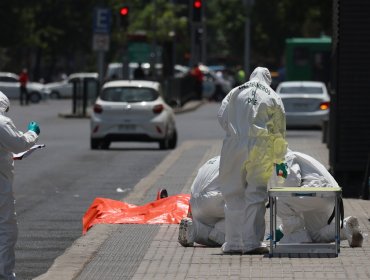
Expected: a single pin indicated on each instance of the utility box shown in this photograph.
(349, 125)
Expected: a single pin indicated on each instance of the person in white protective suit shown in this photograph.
(308, 219)
(11, 141)
(304, 219)
(253, 118)
(206, 226)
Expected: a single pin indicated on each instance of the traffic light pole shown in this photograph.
(198, 32)
(123, 25)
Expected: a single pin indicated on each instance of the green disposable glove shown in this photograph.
(281, 170)
(33, 126)
(278, 234)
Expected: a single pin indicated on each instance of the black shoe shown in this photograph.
(162, 193)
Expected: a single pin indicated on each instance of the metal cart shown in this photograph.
(318, 248)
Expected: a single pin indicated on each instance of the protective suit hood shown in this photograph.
(4, 103)
(261, 74)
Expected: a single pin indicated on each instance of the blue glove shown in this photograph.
(33, 126)
(278, 235)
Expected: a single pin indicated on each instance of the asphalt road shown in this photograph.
(55, 186)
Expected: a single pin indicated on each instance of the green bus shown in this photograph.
(308, 59)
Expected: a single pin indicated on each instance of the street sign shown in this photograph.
(101, 29)
(101, 42)
(102, 20)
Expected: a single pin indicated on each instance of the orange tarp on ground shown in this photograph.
(169, 210)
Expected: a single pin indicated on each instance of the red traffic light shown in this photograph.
(197, 4)
(123, 11)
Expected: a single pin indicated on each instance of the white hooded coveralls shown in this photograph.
(11, 141)
(253, 118)
(305, 219)
(207, 205)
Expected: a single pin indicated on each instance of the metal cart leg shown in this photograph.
(337, 226)
(271, 202)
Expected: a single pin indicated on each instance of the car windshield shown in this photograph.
(129, 94)
(302, 89)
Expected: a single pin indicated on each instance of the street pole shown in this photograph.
(192, 37)
(101, 61)
(197, 29)
(247, 26)
(204, 34)
(154, 42)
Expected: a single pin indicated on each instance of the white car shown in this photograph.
(9, 85)
(214, 86)
(115, 71)
(306, 103)
(132, 111)
(64, 89)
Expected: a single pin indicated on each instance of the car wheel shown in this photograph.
(54, 95)
(164, 144)
(173, 140)
(34, 97)
(105, 145)
(94, 143)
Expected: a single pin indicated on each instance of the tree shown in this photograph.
(159, 20)
(271, 23)
(48, 36)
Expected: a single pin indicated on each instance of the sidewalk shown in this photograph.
(152, 251)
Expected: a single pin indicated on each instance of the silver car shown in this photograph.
(132, 111)
(10, 86)
(64, 88)
(306, 103)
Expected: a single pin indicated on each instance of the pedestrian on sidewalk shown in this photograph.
(11, 141)
(139, 72)
(23, 93)
(253, 118)
(198, 77)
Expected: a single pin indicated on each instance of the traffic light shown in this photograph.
(124, 11)
(197, 10)
(123, 16)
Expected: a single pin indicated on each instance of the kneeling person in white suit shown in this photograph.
(207, 224)
(307, 219)
(304, 220)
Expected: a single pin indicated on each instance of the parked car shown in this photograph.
(181, 71)
(9, 85)
(306, 102)
(64, 88)
(215, 86)
(132, 110)
(115, 70)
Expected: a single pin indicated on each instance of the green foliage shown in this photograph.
(271, 23)
(58, 34)
(158, 20)
(225, 25)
